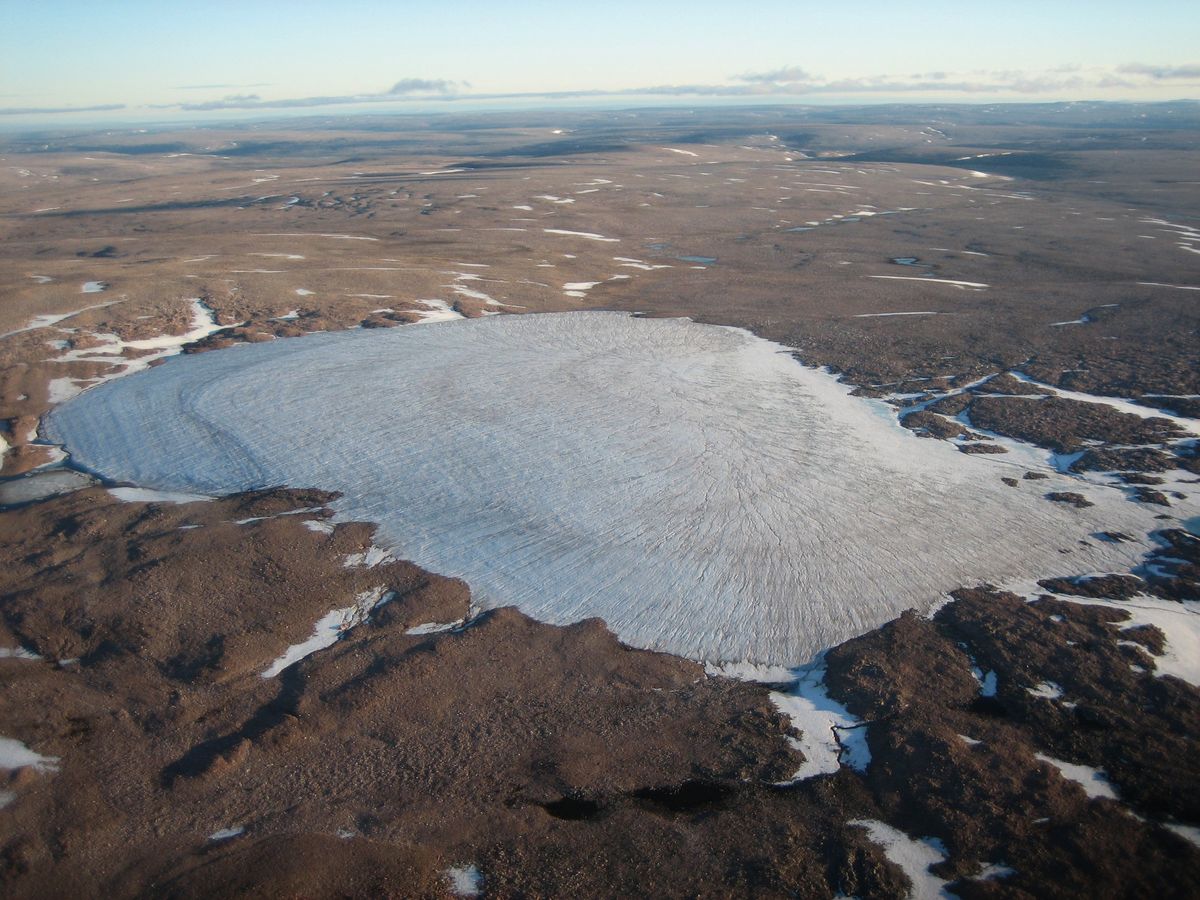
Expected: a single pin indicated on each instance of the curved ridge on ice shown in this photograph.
(692, 485)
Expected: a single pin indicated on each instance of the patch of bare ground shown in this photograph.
(1064, 425)
(1171, 572)
(1074, 498)
(1107, 438)
(155, 621)
(950, 761)
(553, 759)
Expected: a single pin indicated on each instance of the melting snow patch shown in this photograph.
(827, 730)
(1179, 623)
(638, 264)
(203, 324)
(1094, 782)
(225, 834)
(48, 319)
(368, 559)
(973, 285)
(1047, 690)
(435, 627)
(913, 856)
(1189, 833)
(330, 628)
(465, 881)
(338, 237)
(146, 495)
(885, 315)
(291, 512)
(987, 683)
(993, 871)
(474, 295)
(17, 653)
(110, 352)
(1177, 287)
(15, 755)
(327, 631)
(438, 311)
(590, 235)
(93, 287)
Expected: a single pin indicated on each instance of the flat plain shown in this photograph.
(245, 655)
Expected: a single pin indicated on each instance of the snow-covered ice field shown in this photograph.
(693, 485)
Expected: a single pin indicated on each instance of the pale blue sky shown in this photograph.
(154, 58)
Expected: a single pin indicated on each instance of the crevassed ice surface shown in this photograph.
(692, 485)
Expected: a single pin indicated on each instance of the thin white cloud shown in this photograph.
(219, 87)
(784, 82)
(796, 81)
(1070, 78)
(55, 110)
(1161, 73)
(786, 75)
(424, 86)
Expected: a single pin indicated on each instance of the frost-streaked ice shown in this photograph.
(692, 485)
